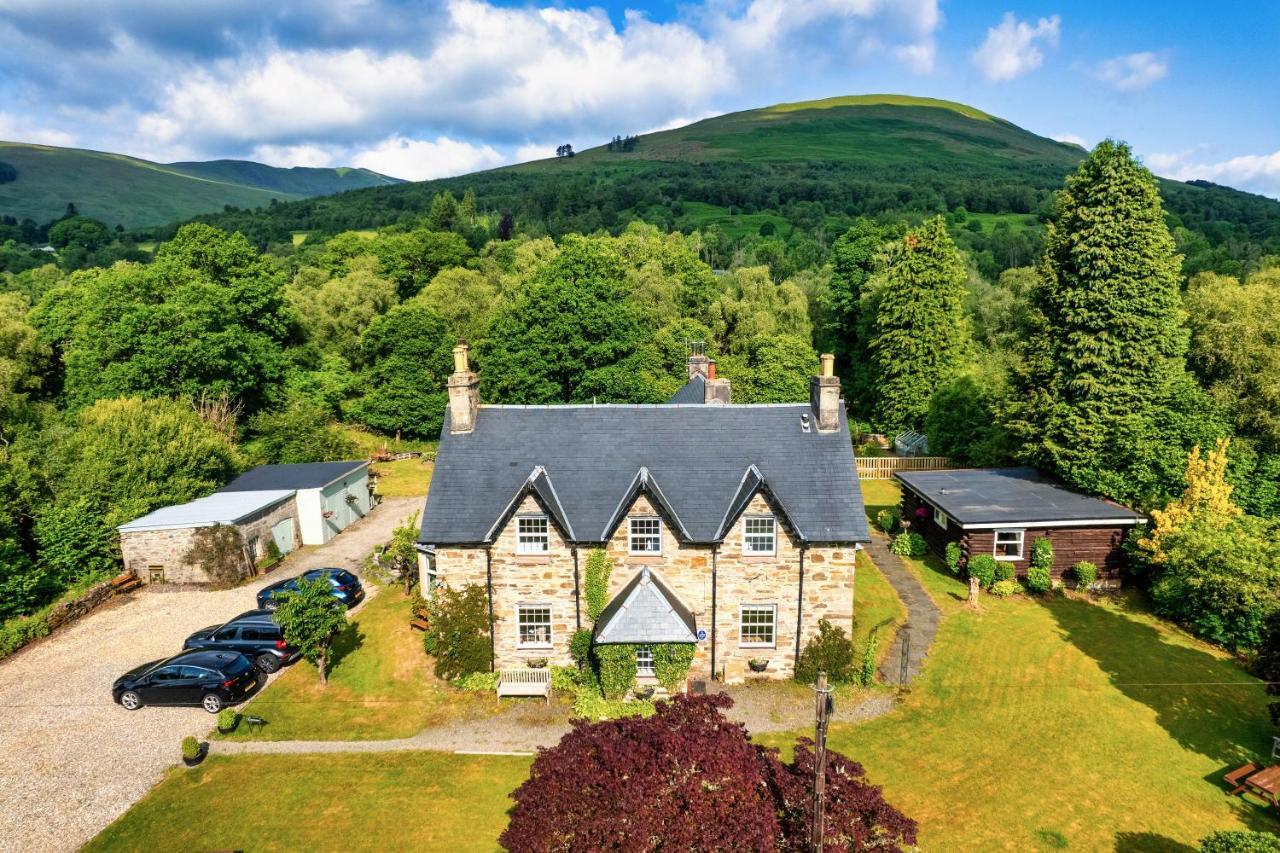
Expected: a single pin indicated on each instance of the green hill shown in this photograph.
(132, 192)
(801, 170)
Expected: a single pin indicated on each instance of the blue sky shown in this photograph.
(426, 89)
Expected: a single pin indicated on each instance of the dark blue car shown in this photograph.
(346, 587)
(210, 679)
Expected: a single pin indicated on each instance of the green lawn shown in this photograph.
(381, 685)
(876, 607)
(404, 478)
(376, 801)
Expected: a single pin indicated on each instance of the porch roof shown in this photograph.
(646, 611)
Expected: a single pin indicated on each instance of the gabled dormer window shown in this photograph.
(532, 534)
(644, 535)
(759, 536)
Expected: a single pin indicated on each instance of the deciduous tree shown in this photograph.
(310, 619)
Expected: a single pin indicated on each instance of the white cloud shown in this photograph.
(18, 129)
(422, 160)
(297, 155)
(1071, 138)
(1133, 72)
(1010, 49)
(1258, 173)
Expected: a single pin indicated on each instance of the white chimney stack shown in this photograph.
(464, 392)
(824, 395)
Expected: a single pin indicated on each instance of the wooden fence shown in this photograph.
(883, 467)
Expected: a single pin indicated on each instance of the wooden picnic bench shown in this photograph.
(524, 682)
(418, 623)
(1263, 781)
(125, 582)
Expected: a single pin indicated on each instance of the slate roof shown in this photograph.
(996, 496)
(217, 508)
(646, 611)
(695, 460)
(304, 475)
(693, 391)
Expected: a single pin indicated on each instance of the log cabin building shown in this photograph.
(1001, 511)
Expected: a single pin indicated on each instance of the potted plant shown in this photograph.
(193, 751)
(228, 719)
(537, 663)
(758, 665)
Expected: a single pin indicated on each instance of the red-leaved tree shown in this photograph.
(687, 778)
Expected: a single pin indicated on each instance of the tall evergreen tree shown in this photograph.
(1104, 378)
(921, 333)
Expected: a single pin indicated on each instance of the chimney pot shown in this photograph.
(464, 392)
(711, 370)
(828, 364)
(824, 395)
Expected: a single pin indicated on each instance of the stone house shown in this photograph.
(733, 527)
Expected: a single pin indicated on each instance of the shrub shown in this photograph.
(564, 679)
(616, 668)
(459, 632)
(829, 650)
(690, 777)
(17, 632)
(1042, 553)
(888, 519)
(1005, 588)
(867, 676)
(1038, 580)
(908, 545)
(1239, 841)
(228, 719)
(1005, 571)
(983, 567)
(219, 552)
(671, 662)
(580, 646)
(480, 682)
(309, 619)
(954, 553)
(1086, 574)
(595, 585)
(190, 748)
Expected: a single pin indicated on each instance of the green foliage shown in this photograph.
(1042, 553)
(79, 231)
(961, 423)
(74, 542)
(982, 567)
(953, 554)
(671, 662)
(477, 682)
(1086, 574)
(407, 359)
(909, 545)
(1221, 581)
(920, 337)
(335, 310)
(565, 679)
(190, 748)
(219, 551)
(1006, 587)
(228, 719)
(459, 634)
(580, 646)
(870, 655)
(595, 584)
(18, 631)
(1038, 580)
(301, 432)
(830, 650)
(310, 618)
(615, 668)
(774, 369)
(888, 519)
(1240, 841)
(1004, 571)
(464, 299)
(1104, 361)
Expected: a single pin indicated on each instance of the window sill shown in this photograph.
(758, 646)
(759, 558)
(533, 559)
(1008, 559)
(646, 557)
(542, 647)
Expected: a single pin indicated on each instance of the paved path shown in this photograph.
(922, 614)
(71, 761)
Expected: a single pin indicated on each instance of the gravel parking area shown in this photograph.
(72, 761)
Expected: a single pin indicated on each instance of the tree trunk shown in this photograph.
(321, 663)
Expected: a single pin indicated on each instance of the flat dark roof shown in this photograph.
(993, 497)
(302, 475)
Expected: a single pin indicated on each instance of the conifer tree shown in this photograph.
(1105, 365)
(921, 336)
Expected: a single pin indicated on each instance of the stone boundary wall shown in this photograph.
(64, 613)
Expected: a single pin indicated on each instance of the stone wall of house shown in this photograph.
(741, 579)
(144, 551)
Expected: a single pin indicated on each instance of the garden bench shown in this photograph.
(1236, 777)
(419, 624)
(524, 682)
(125, 582)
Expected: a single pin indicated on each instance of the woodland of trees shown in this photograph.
(134, 385)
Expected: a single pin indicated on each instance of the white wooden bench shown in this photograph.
(524, 682)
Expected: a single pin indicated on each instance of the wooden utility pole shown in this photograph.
(823, 708)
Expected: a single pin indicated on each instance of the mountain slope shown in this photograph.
(132, 192)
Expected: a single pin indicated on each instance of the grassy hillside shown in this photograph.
(128, 191)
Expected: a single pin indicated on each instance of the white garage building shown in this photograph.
(330, 495)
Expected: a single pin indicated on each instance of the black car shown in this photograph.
(253, 634)
(346, 587)
(210, 679)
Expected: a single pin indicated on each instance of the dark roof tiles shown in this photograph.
(994, 496)
(304, 475)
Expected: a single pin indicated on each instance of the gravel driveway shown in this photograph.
(71, 760)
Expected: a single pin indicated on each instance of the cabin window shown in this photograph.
(756, 625)
(760, 535)
(940, 518)
(645, 536)
(644, 661)
(1009, 544)
(531, 534)
(534, 624)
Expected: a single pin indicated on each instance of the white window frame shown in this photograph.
(642, 670)
(747, 548)
(521, 610)
(995, 543)
(939, 518)
(634, 538)
(533, 541)
(772, 610)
